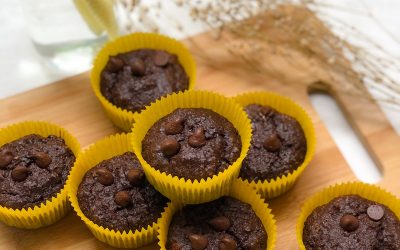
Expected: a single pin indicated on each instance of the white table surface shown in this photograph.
(21, 67)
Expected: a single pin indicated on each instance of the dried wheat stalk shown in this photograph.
(366, 68)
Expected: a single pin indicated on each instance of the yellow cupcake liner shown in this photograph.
(240, 191)
(367, 191)
(272, 188)
(120, 117)
(179, 189)
(165, 221)
(102, 150)
(53, 209)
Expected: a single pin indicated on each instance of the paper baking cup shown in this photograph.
(56, 207)
(277, 186)
(367, 191)
(179, 189)
(240, 191)
(102, 150)
(120, 117)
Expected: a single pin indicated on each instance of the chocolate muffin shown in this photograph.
(32, 170)
(134, 79)
(352, 222)
(193, 143)
(278, 145)
(116, 195)
(225, 223)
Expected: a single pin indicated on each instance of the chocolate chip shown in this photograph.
(198, 241)
(197, 139)
(123, 198)
(6, 157)
(375, 212)
(20, 173)
(220, 223)
(174, 127)
(227, 243)
(137, 66)
(135, 176)
(104, 176)
(161, 58)
(114, 64)
(272, 143)
(170, 146)
(349, 222)
(42, 159)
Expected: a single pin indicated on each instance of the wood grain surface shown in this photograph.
(71, 104)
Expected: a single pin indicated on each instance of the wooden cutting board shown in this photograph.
(71, 104)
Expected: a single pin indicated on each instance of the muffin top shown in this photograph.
(225, 223)
(32, 170)
(352, 222)
(134, 79)
(278, 145)
(116, 195)
(193, 143)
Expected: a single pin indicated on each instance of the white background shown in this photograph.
(21, 68)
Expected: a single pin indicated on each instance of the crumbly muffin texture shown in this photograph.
(116, 195)
(226, 223)
(193, 143)
(278, 145)
(134, 79)
(32, 170)
(352, 222)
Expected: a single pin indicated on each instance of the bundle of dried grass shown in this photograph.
(293, 32)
